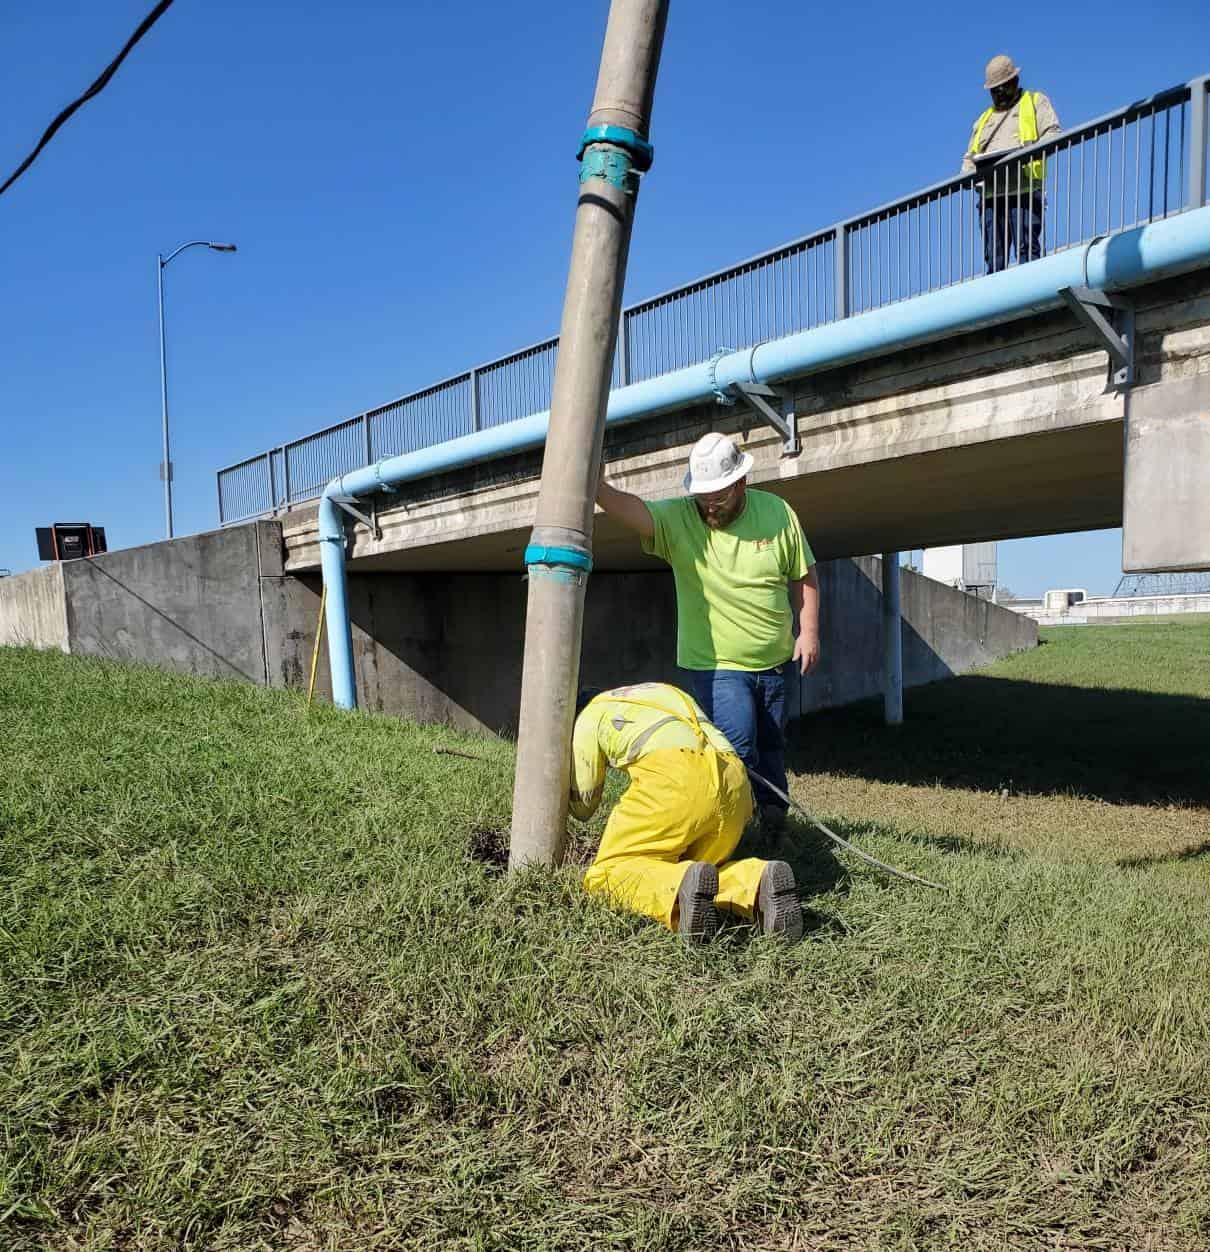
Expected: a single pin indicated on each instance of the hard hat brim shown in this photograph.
(1000, 79)
(704, 486)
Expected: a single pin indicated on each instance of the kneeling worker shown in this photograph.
(665, 847)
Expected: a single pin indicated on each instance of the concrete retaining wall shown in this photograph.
(944, 632)
(191, 604)
(447, 647)
(33, 609)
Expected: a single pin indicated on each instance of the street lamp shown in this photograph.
(161, 262)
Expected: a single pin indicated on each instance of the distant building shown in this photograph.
(1072, 606)
(967, 566)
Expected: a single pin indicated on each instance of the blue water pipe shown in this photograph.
(1126, 259)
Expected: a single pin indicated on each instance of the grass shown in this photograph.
(256, 993)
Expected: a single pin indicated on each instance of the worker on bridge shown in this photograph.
(1012, 202)
(666, 845)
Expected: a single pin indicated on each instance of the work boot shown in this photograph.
(697, 915)
(778, 911)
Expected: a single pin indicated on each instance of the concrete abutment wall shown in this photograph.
(446, 648)
(33, 609)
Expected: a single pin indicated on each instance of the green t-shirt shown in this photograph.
(732, 608)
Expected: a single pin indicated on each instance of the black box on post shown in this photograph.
(69, 541)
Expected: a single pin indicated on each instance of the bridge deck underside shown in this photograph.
(1047, 484)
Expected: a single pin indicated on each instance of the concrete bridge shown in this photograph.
(895, 395)
(994, 434)
(933, 404)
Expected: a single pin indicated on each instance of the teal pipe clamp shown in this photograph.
(571, 558)
(611, 164)
(641, 152)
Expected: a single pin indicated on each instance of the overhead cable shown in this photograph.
(97, 87)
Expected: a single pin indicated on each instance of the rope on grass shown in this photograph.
(844, 843)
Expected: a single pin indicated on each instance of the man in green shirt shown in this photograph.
(744, 572)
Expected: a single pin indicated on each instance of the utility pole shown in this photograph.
(613, 152)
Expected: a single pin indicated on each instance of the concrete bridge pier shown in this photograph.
(892, 640)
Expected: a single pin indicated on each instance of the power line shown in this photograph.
(97, 87)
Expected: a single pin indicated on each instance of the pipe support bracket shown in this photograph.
(785, 422)
(1111, 319)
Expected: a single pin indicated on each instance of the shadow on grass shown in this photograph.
(1192, 853)
(995, 734)
(958, 844)
(808, 853)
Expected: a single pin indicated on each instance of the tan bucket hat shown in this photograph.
(1000, 70)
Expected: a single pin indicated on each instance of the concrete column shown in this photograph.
(892, 641)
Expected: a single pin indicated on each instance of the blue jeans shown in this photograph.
(1012, 222)
(750, 709)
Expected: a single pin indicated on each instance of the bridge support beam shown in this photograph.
(613, 152)
(892, 641)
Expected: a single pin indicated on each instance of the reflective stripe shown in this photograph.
(984, 118)
(690, 721)
(623, 737)
(636, 749)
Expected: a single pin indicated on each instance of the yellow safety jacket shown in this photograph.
(619, 727)
(1027, 133)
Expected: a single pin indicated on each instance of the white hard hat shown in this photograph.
(715, 463)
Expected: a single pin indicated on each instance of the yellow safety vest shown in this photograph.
(1027, 133)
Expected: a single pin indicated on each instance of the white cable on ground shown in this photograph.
(844, 843)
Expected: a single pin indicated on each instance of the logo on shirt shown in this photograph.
(762, 544)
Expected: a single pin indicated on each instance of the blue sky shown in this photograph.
(400, 180)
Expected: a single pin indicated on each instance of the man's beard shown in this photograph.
(722, 516)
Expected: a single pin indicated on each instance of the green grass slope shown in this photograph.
(257, 993)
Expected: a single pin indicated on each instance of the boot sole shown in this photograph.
(777, 901)
(697, 913)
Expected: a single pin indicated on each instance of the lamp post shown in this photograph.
(161, 263)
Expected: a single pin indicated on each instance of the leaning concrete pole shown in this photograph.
(613, 152)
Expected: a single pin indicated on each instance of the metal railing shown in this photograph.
(1136, 165)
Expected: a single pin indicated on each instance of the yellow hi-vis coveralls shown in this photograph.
(688, 800)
